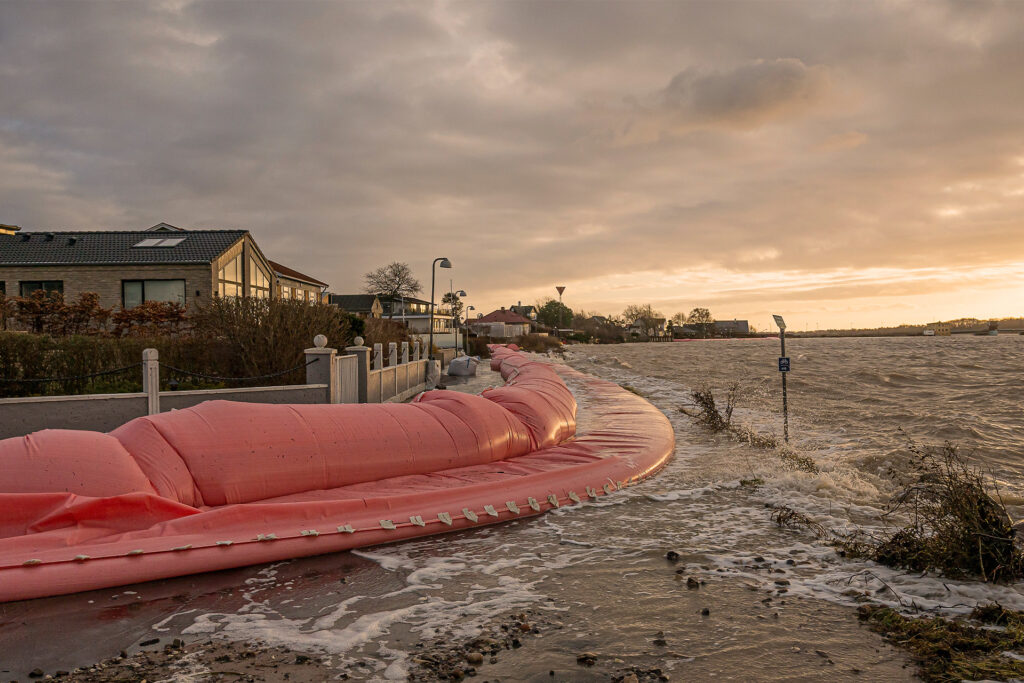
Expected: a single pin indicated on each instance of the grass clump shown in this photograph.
(948, 650)
(793, 519)
(954, 526)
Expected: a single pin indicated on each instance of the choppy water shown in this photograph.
(600, 569)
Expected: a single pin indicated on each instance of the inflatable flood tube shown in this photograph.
(226, 484)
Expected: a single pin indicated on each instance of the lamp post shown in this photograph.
(466, 338)
(461, 294)
(445, 263)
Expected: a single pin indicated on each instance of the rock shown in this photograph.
(661, 642)
(631, 678)
(36, 673)
(672, 556)
(692, 583)
(178, 643)
(493, 660)
(586, 658)
(61, 673)
(781, 582)
(302, 659)
(475, 658)
(516, 643)
(705, 612)
(758, 559)
(151, 641)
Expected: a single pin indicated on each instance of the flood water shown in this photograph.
(599, 569)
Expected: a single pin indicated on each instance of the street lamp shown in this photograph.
(468, 309)
(461, 294)
(445, 263)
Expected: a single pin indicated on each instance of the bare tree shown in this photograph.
(701, 317)
(392, 281)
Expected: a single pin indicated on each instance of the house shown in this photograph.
(291, 284)
(648, 327)
(363, 305)
(502, 324)
(731, 328)
(528, 312)
(126, 268)
(415, 314)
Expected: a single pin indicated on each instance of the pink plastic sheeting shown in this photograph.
(61, 542)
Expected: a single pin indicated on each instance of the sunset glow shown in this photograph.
(844, 163)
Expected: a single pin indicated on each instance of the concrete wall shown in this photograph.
(104, 412)
(106, 280)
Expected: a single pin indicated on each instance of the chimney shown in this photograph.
(519, 304)
(503, 308)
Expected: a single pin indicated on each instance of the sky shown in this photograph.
(840, 163)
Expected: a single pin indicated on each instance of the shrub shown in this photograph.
(150, 318)
(955, 527)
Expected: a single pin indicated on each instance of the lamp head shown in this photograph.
(461, 292)
(445, 263)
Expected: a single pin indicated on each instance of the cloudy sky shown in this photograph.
(838, 162)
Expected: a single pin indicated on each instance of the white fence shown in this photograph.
(330, 378)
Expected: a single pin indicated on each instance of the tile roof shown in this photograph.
(107, 248)
(353, 303)
(502, 316)
(285, 271)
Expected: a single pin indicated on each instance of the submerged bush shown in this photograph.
(704, 409)
(955, 527)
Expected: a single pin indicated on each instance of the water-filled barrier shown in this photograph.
(227, 484)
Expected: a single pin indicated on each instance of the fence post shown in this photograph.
(151, 379)
(416, 350)
(322, 371)
(405, 352)
(378, 356)
(392, 354)
(362, 354)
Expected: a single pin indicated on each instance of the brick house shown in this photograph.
(126, 268)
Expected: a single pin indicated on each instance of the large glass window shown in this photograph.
(134, 292)
(259, 280)
(30, 286)
(229, 278)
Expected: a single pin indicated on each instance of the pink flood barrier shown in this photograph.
(226, 484)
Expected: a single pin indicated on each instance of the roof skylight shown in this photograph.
(160, 242)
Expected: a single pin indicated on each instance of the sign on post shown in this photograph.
(784, 369)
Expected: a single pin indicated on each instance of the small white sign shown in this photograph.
(780, 322)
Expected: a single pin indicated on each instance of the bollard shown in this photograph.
(362, 353)
(322, 371)
(151, 379)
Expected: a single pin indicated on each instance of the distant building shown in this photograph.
(127, 268)
(731, 328)
(939, 330)
(528, 312)
(363, 305)
(415, 314)
(648, 327)
(291, 284)
(503, 324)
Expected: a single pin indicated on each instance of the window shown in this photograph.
(30, 286)
(229, 278)
(159, 242)
(134, 292)
(286, 292)
(259, 281)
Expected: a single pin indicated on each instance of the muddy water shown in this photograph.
(780, 605)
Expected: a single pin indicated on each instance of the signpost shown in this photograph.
(784, 369)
